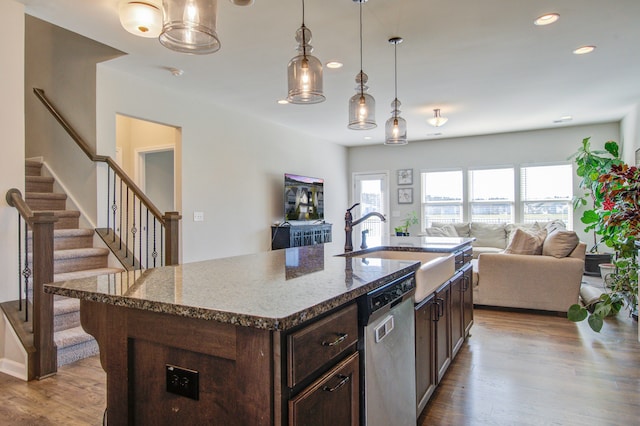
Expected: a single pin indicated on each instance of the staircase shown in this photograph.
(74, 257)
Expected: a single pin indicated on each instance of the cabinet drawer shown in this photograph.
(463, 257)
(334, 399)
(317, 344)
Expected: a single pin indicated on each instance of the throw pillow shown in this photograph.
(523, 242)
(462, 228)
(489, 234)
(555, 225)
(560, 243)
(531, 228)
(441, 231)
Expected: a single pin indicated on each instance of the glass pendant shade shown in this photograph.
(189, 26)
(437, 119)
(362, 106)
(141, 18)
(396, 127)
(304, 72)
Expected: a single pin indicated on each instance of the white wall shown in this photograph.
(12, 125)
(541, 146)
(631, 135)
(232, 166)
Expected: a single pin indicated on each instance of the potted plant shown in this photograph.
(613, 188)
(411, 218)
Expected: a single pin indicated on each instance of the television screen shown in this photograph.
(303, 198)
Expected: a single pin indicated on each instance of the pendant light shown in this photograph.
(141, 18)
(362, 106)
(189, 26)
(304, 72)
(437, 119)
(396, 126)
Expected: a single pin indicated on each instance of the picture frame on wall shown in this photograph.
(405, 177)
(405, 195)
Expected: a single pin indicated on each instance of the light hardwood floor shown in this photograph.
(515, 369)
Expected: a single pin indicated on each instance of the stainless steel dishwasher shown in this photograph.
(388, 343)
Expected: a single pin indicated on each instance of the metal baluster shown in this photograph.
(126, 242)
(19, 262)
(161, 246)
(108, 197)
(26, 272)
(121, 214)
(140, 238)
(114, 206)
(154, 255)
(134, 230)
(147, 249)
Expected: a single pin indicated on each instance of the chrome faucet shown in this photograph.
(349, 223)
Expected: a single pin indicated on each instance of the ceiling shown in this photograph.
(483, 63)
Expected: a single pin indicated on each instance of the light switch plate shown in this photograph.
(198, 216)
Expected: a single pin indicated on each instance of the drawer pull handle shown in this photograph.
(340, 339)
(343, 381)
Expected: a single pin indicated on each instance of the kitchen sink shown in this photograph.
(435, 268)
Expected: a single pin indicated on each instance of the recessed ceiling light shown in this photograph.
(583, 50)
(176, 72)
(367, 138)
(563, 119)
(546, 19)
(334, 64)
(283, 101)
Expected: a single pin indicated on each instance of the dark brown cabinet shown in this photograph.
(443, 321)
(333, 399)
(425, 314)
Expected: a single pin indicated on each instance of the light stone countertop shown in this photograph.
(273, 290)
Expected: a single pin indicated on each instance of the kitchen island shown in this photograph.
(231, 341)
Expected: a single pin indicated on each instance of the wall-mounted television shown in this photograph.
(303, 198)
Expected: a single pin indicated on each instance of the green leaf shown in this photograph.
(612, 148)
(576, 313)
(595, 322)
(589, 216)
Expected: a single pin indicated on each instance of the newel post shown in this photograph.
(172, 238)
(46, 351)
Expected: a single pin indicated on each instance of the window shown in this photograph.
(491, 195)
(546, 193)
(442, 197)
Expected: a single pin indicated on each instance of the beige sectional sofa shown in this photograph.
(532, 266)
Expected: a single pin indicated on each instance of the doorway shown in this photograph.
(371, 190)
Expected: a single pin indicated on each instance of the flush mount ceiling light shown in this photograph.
(242, 2)
(141, 18)
(437, 119)
(396, 126)
(583, 50)
(304, 72)
(334, 64)
(362, 106)
(546, 19)
(189, 26)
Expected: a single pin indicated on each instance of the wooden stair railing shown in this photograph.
(169, 221)
(41, 224)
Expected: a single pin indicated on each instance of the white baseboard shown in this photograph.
(17, 365)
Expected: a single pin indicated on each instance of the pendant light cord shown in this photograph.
(304, 42)
(361, 73)
(395, 61)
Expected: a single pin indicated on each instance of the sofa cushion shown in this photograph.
(531, 228)
(523, 242)
(462, 228)
(560, 243)
(477, 250)
(441, 231)
(554, 225)
(489, 234)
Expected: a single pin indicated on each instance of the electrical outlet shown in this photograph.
(198, 216)
(182, 381)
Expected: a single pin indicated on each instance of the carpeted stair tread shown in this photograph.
(71, 336)
(45, 195)
(39, 179)
(65, 305)
(66, 276)
(79, 252)
(38, 184)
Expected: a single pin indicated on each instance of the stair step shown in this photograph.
(46, 201)
(74, 344)
(38, 184)
(67, 219)
(73, 260)
(64, 239)
(66, 276)
(66, 314)
(32, 168)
